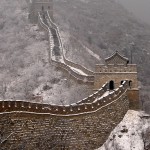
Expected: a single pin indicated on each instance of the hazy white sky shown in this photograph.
(141, 8)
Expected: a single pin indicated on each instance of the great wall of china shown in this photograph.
(78, 72)
(84, 125)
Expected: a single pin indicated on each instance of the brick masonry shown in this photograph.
(33, 131)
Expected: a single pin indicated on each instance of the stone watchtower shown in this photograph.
(36, 6)
(115, 70)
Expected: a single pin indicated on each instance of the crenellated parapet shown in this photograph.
(78, 126)
(95, 95)
(75, 65)
(89, 105)
(120, 68)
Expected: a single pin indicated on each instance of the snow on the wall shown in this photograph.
(130, 133)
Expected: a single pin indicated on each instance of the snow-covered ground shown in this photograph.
(133, 133)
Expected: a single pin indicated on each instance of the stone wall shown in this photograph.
(96, 101)
(117, 74)
(75, 65)
(92, 97)
(68, 62)
(117, 77)
(79, 131)
(134, 101)
(89, 80)
(113, 68)
(66, 65)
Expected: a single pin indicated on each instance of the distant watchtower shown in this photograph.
(115, 70)
(36, 6)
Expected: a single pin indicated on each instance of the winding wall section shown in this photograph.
(79, 73)
(83, 125)
(80, 126)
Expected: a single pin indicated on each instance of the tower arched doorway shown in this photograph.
(111, 85)
(130, 84)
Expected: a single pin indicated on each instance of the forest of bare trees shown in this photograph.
(24, 66)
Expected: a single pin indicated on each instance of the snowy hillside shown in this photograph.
(133, 133)
(24, 64)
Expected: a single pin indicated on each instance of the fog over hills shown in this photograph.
(140, 8)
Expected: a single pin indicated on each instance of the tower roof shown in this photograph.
(116, 59)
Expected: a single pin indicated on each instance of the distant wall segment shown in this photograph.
(66, 65)
(36, 6)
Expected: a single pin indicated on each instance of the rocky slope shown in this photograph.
(133, 133)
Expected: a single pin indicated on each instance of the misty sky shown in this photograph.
(141, 8)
